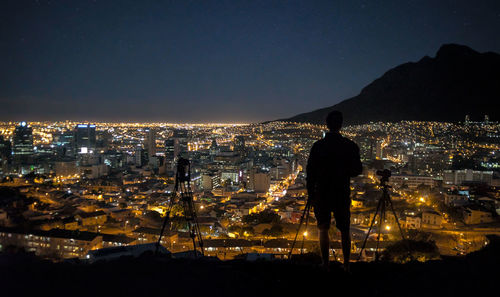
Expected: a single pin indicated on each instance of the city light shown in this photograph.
(248, 171)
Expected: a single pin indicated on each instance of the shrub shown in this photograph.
(411, 250)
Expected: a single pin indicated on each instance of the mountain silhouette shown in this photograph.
(457, 82)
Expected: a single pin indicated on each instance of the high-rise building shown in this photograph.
(379, 149)
(103, 140)
(169, 155)
(214, 148)
(65, 143)
(22, 140)
(259, 181)
(170, 149)
(239, 144)
(140, 157)
(5, 154)
(151, 142)
(486, 119)
(85, 138)
(180, 138)
(5, 149)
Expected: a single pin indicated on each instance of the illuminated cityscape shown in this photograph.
(76, 187)
(249, 148)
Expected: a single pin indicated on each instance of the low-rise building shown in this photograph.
(457, 177)
(455, 199)
(413, 222)
(411, 181)
(431, 219)
(149, 235)
(477, 215)
(111, 240)
(55, 243)
(357, 203)
(96, 218)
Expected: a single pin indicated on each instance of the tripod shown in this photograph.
(183, 188)
(381, 211)
(305, 216)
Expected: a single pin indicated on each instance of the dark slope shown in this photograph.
(472, 275)
(458, 81)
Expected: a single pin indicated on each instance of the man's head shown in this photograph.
(334, 121)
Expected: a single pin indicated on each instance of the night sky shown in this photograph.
(215, 61)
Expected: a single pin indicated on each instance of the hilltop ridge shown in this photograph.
(456, 82)
(469, 275)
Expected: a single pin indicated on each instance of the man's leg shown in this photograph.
(323, 217)
(324, 244)
(343, 220)
(346, 247)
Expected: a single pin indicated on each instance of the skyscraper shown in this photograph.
(150, 142)
(5, 154)
(170, 149)
(65, 143)
(180, 138)
(22, 140)
(214, 148)
(140, 157)
(169, 154)
(5, 148)
(239, 144)
(85, 139)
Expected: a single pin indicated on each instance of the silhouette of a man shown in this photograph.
(332, 161)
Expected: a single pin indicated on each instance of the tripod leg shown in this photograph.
(369, 229)
(400, 229)
(382, 219)
(167, 218)
(198, 233)
(305, 230)
(191, 218)
(193, 237)
(396, 217)
(162, 230)
(306, 210)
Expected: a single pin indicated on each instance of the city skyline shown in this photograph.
(217, 61)
(249, 147)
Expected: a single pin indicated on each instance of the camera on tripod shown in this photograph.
(183, 170)
(384, 202)
(184, 195)
(384, 174)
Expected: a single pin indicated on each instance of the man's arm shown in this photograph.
(356, 167)
(310, 172)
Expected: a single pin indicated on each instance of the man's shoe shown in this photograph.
(347, 268)
(325, 266)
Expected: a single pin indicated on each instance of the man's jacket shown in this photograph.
(332, 161)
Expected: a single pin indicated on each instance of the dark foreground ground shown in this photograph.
(476, 274)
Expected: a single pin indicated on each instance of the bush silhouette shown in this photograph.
(411, 250)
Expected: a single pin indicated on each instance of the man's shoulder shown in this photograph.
(349, 142)
(338, 139)
(319, 143)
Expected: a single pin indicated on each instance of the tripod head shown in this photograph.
(384, 177)
(183, 173)
(183, 170)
